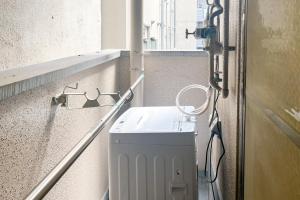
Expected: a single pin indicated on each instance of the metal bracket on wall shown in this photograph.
(63, 99)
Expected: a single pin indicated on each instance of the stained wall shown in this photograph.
(272, 94)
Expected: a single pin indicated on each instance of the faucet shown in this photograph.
(211, 33)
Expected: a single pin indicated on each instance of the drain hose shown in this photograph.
(200, 110)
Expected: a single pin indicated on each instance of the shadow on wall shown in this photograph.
(35, 136)
(36, 168)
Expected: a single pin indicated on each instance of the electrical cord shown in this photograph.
(216, 98)
(209, 147)
(215, 112)
(216, 131)
(210, 170)
(212, 180)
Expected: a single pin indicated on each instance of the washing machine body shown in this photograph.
(152, 155)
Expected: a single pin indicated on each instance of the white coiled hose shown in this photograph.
(200, 110)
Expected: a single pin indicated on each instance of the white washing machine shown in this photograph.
(152, 155)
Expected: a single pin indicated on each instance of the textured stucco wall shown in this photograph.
(35, 136)
(35, 31)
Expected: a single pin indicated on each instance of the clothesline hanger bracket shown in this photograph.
(63, 99)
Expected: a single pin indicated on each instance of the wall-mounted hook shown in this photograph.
(91, 102)
(70, 87)
(62, 99)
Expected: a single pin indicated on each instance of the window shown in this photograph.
(165, 22)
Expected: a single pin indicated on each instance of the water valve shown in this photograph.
(187, 33)
(202, 33)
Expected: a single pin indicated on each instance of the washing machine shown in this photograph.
(152, 155)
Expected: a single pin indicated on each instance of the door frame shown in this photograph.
(242, 62)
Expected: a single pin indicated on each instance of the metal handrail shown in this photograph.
(59, 170)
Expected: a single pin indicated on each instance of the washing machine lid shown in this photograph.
(154, 120)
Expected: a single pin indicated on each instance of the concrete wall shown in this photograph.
(37, 135)
(34, 136)
(115, 16)
(34, 31)
(166, 74)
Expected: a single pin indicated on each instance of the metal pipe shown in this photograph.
(225, 90)
(161, 24)
(60, 169)
(212, 81)
(216, 13)
(212, 42)
(136, 47)
(174, 25)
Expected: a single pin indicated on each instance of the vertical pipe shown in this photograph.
(162, 24)
(170, 22)
(166, 26)
(226, 48)
(174, 45)
(212, 81)
(136, 49)
(211, 23)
